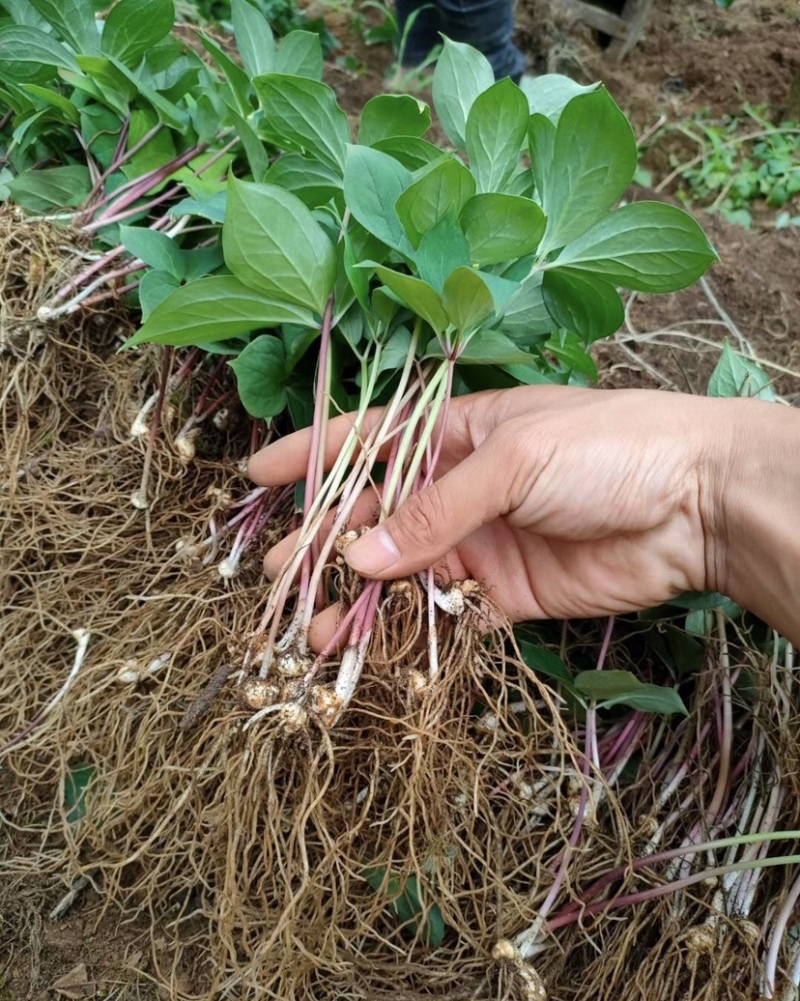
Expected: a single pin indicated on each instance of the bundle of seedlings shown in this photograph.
(412, 811)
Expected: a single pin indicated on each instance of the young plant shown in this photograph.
(402, 273)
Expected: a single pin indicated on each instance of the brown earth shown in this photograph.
(694, 56)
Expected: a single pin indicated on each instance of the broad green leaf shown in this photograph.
(358, 277)
(441, 250)
(550, 93)
(569, 349)
(467, 301)
(404, 897)
(373, 182)
(414, 154)
(260, 371)
(736, 375)
(704, 600)
(461, 74)
(446, 187)
(74, 20)
(503, 290)
(254, 39)
(51, 188)
(22, 12)
(582, 303)
(134, 26)
(611, 688)
(105, 74)
(238, 81)
(496, 128)
(647, 246)
(76, 785)
(211, 207)
(156, 249)
(302, 115)
(154, 288)
(273, 244)
(391, 115)
(214, 309)
(100, 128)
(297, 341)
(201, 261)
(28, 55)
(300, 54)
(257, 158)
(419, 296)
(544, 661)
(594, 157)
(51, 97)
(168, 112)
(501, 227)
(526, 318)
(313, 182)
(488, 347)
(541, 140)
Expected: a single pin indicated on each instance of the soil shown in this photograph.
(694, 56)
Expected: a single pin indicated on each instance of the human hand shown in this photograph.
(563, 502)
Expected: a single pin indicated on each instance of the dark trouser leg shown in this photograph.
(487, 25)
(423, 35)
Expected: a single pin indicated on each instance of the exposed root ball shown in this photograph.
(36, 258)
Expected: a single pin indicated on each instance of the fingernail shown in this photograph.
(372, 553)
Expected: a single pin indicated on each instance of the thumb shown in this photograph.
(432, 522)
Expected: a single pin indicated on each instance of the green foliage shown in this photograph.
(736, 375)
(613, 688)
(406, 902)
(748, 166)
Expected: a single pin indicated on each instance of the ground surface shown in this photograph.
(693, 57)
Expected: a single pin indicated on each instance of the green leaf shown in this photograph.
(273, 244)
(467, 301)
(501, 227)
(254, 39)
(647, 246)
(373, 182)
(541, 140)
(76, 786)
(134, 26)
(261, 375)
(74, 20)
(461, 74)
(736, 375)
(391, 115)
(156, 249)
(201, 261)
(570, 351)
(28, 55)
(441, 250)
(414, 154)
(154, 288)
(544, 661)
(22, 13)
(300, 54)
(582, 304)
(405, 899)
(52, 188)
(168, 112)
(313, 182)
(211, 207)
(419, 296)
(594, 157)
(238, 81)
(611, 688)
(257, 158)
(55, 100)
(446, 187)
(488, 347)
(302, 115)
(550, 93)
(526, 318)
(214, 309)
(103, 73)
(496, 128)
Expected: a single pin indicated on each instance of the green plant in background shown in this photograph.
(283, 16)
(745, 168)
